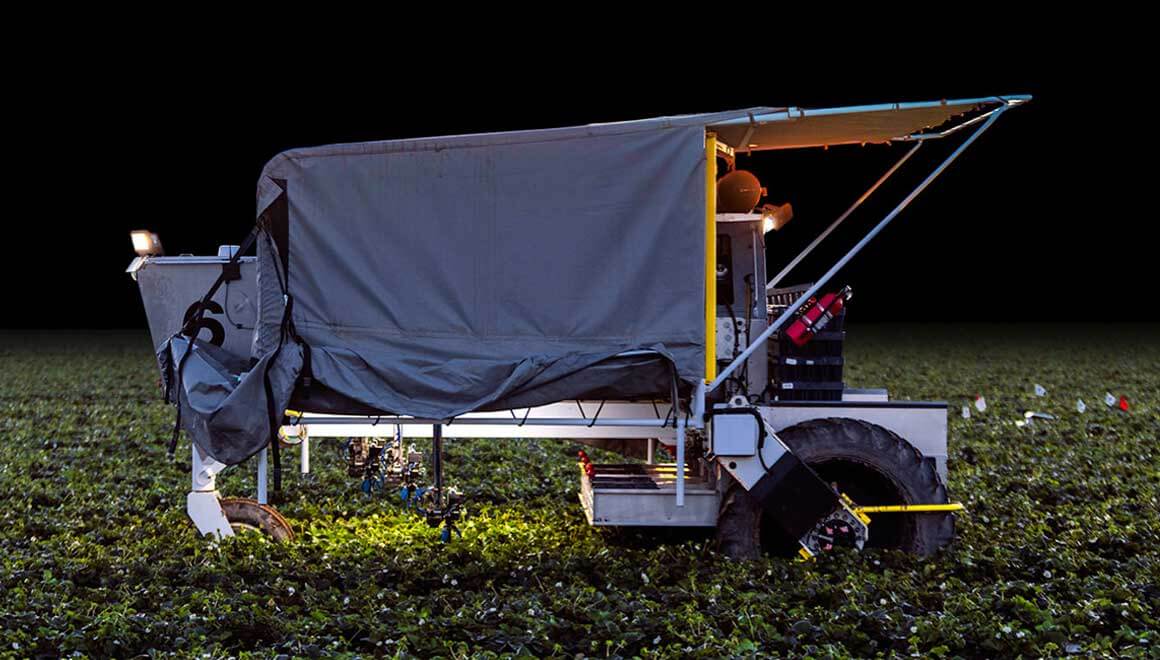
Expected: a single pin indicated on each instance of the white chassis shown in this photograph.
(923, 424)
(166, 280)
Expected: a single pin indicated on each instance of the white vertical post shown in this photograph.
(262, 498)
(205, 470)
(681, 461)
(652, 451)
(200, 480)
(304, 456)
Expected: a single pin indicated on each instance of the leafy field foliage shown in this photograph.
(1059, 552)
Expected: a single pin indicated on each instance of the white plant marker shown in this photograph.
(1110, 400)
(966, 412)
(1040, 390)
(1080, 406)
(980, 403)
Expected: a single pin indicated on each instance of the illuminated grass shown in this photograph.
(1058, 552)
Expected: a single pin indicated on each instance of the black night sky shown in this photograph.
(1039, 220)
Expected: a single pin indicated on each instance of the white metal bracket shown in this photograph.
(205, 510)
(747, 470)
(202, 503)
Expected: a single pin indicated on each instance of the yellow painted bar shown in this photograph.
(911, 508)
(710, 257)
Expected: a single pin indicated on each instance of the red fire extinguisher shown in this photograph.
(817, 316)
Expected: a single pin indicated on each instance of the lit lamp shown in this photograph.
(775, 217)
(146, 243)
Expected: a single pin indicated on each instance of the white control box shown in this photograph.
(735, 433)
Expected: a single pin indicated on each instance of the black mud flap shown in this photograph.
(794, 496)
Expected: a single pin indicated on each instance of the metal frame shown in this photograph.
(987, 119)
(672, 425)
(922, 423)
(489, 421)
(795, 113)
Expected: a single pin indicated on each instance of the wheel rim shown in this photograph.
(247, 515)
(865, 486)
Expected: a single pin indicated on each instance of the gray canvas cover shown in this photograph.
(438, 276)
(226, 404)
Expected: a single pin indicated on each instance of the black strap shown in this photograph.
(190, 329)
(597, 415)
(176, 422)
(274, 415)
(306, 375)
(285, 329)
(177, 396)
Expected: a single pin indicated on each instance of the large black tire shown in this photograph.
(867, 462)
(739, 524)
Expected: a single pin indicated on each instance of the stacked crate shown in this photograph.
(805, 373)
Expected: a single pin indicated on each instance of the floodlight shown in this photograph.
(146, 243)
(775, 217)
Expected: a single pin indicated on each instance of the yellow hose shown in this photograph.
(911, 508)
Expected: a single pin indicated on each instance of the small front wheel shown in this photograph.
(248, 515)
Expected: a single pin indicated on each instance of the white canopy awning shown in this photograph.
(791, 128)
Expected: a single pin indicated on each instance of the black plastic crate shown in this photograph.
(824, 344)
(786, 296)
(835, 325)
(809, 391)
(792, 368)
(780, 299)
(812, 372)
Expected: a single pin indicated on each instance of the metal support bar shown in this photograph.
(918, 137)
(710, 256)
(304, 456)
(262, 477)
(821, 237)
(794, 113)
(437, 461)
(789, 312)
(496, 421)
(680, 461)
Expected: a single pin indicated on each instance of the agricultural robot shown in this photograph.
(605, 284)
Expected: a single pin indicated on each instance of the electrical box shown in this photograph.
(741, 306)
(735, 433)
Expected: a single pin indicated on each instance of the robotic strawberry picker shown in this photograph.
(599, 283)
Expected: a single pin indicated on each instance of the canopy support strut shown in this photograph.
(822, 236)
(789, 312)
